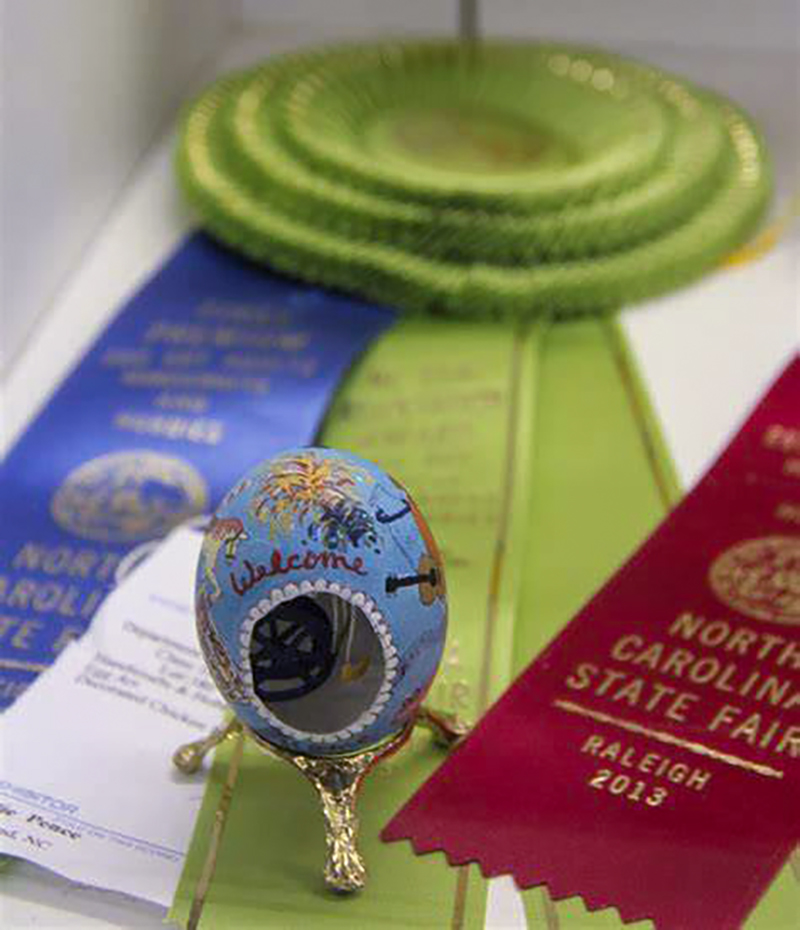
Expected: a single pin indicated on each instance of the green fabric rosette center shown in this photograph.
(462, 139)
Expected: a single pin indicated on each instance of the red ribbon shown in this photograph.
(649, 759)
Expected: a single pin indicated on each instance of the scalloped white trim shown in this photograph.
(376, 621)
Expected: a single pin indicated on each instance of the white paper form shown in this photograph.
(87, 787)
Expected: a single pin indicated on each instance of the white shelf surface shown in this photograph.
(706, 354)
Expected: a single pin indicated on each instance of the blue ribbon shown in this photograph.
(211, 367)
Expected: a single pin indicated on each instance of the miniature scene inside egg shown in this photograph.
(321, 602)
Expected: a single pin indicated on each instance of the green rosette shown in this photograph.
(494, 179)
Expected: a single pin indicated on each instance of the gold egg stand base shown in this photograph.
(337, 781)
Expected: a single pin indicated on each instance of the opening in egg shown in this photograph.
(317, 662)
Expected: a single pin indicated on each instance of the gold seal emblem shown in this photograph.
(128, 496)
(760, 578)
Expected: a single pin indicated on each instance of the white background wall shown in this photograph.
(712, 23)
(86, 86)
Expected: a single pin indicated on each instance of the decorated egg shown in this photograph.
(321, 602)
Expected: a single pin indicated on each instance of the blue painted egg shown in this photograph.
(321, 602)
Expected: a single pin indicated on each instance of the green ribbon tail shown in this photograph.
(600, 477)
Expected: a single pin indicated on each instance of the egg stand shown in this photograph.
(337, 780)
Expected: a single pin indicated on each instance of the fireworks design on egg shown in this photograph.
(321, 494)
(344, 523)
(236, 491)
